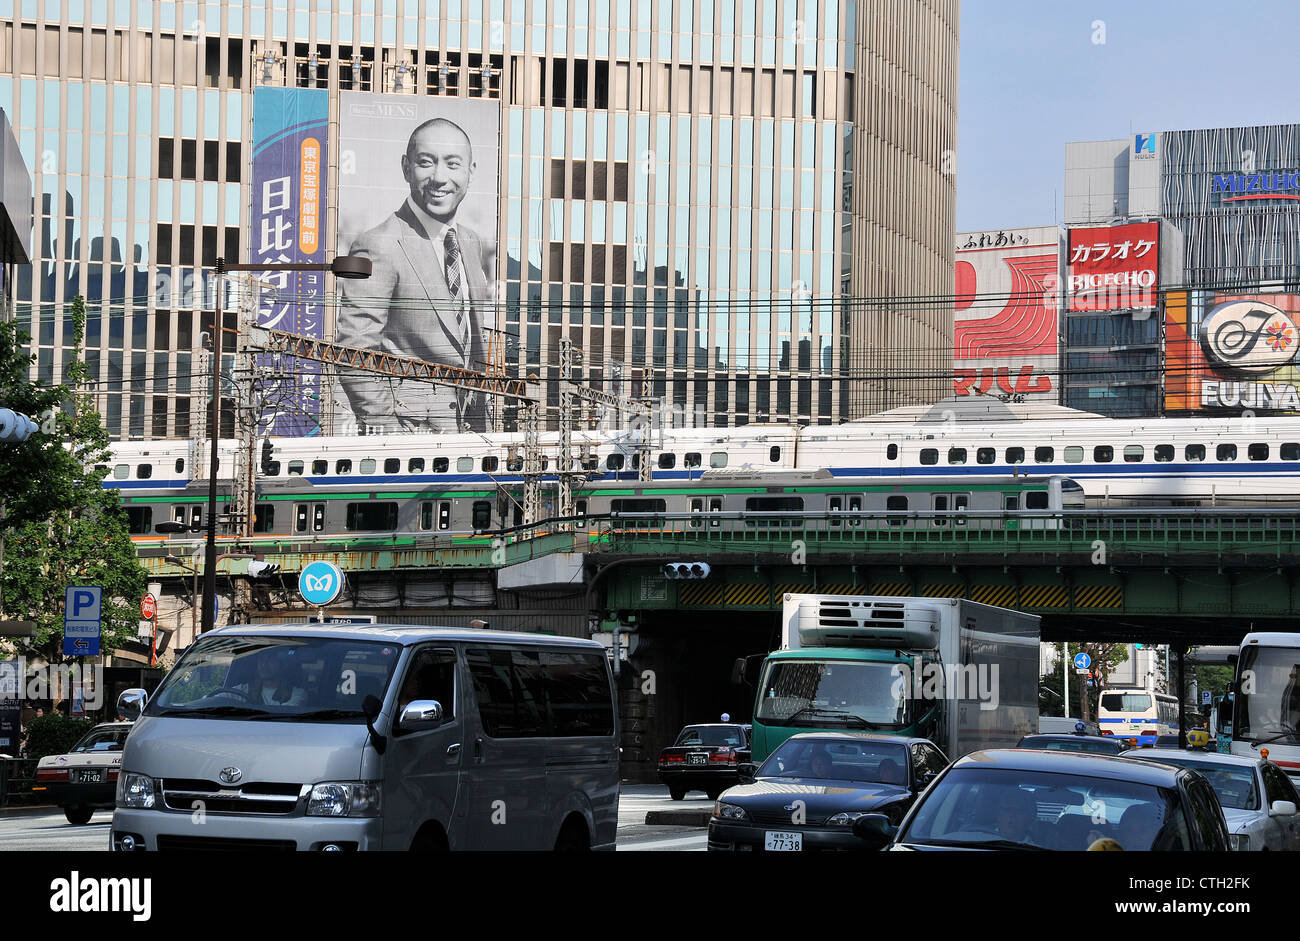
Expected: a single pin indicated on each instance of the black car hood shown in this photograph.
(773, 794)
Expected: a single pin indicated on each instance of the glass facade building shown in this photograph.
(724, 199)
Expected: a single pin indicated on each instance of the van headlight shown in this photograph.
(344, 799)
(136, 791)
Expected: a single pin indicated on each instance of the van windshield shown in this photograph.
(276, 678)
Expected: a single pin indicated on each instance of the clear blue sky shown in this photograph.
(1032, 79)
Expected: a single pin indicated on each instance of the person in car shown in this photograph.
(274, 682)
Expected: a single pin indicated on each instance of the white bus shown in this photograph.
(1137, 713)
(1267, 699)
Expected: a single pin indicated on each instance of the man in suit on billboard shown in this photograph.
(425, 296)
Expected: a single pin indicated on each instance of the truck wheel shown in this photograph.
(677, 793)
(77, 816)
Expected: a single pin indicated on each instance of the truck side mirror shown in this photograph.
(738, 672)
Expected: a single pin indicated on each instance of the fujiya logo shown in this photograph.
(1250, 337)
(76, 894)
(319, 582)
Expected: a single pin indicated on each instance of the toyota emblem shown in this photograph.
(230, 775)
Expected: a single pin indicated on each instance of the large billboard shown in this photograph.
(290, 148)
(1232, 352)
(417, 196)
(1006, 312)
(1114, 267)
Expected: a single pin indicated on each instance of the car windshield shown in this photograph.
(101, 740)
(838, 760)
(833, 695)
(717, 736)
(276, 678)
(1235, 784)
(1009, 809)
(1077, 745)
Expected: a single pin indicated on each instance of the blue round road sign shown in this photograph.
(320, 583)
(1082, 661)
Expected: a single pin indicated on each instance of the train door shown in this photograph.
(308, 518)
(1010, 505)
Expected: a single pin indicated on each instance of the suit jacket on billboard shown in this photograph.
(404, 308)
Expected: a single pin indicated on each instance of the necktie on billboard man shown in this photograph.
(429, 233)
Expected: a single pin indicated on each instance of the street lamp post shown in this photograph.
(345, 266)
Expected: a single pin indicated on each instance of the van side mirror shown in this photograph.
(1282, 809)
(421, 714)
(131, 703)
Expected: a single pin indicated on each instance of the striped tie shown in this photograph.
(454, 286)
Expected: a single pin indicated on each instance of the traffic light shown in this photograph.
(683, 570)
(15, 427)
(260, 569)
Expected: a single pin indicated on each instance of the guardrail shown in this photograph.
(17, 775)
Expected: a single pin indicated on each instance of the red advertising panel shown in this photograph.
(1113, 267)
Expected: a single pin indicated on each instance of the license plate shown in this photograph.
(92, 777)
(781, 842)
(697, 759)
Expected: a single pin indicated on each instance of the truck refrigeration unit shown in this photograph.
(962, 674)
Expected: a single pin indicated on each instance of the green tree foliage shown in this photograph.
(1051, 702)
(64, 528)
(54, 734)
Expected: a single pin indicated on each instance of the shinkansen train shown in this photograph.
(756, 499)
(1152, 462)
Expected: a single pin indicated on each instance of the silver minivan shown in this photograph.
(370, 737)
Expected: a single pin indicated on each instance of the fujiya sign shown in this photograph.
(1250, 338)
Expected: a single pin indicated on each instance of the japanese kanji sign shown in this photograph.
(1113, 267)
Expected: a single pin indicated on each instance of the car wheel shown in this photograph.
(677, 793)
(78, 816)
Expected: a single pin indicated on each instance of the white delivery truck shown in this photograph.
(962, 674)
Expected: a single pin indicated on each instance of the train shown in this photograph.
(1220, 462)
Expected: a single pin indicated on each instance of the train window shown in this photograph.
(343, 467)
(835, 505)
(546, 462)
(1164, 452)
(667, 461)
(1225, 452)
(1036, 500)
(1073, 454)
(441, 465)
(519, 514)
(300, 518)
(1194, 452)
(614, 462)
(580, 508)
(444, 514)
(774, 504)
(591, 462)
(464, 465)
(940, 506)
(296, 468)
(178, 514)
(489, 464)
(121, 471)
(318, 517)
(774, 454)
(415, 465)
(960, 503)
(371, 516)
(1044, 455)
(514, 462)
(1015, 455)
(956, 455)
(426, 515)
(896, 502)
(139, 519)
(929, 455)
(367, 465)
(638, 506)
(196, 516)
(1010, 501)
(718, 459)
(891, 453)
(263, 517)
(482, 514)
(143, 471)
(1134, 453)
(180, 465)
(392, 465)
(692, 459)
(697, 506)
(1290, 451)
(985, 455)
(1103, 453)
(320, 468)
(855, 506)
(715, 506)
(1257, 452)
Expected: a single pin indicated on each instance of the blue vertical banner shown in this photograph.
(290, 157)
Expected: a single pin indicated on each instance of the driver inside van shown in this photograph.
(275, 682)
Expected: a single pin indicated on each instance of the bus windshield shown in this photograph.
(833, 695)
(1268, 698)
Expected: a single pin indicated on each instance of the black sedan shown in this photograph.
(1089, 744)
(809, 792)
(704, 758)
(1023, 799)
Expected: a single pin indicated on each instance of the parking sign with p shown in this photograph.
(82, 607)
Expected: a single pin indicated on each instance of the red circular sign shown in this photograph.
(149, 607)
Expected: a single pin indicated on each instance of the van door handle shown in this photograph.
(453, 750)
(478, 749)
